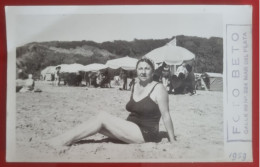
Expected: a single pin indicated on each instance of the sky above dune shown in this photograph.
(102, 26)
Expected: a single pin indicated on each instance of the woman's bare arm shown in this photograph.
(162, 100)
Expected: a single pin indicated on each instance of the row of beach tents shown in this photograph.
(126, 63)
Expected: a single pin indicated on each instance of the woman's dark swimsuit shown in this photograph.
(146, 114)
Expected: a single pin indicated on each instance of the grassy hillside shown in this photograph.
(33, 57)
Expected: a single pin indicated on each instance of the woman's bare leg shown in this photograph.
(120, 129)
(103, 123)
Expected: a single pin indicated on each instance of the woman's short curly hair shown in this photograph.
(147, 60)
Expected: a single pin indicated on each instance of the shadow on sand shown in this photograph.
(162, 134)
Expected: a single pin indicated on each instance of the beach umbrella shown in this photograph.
(126, 63)
(170, 54)
(94, 67)
(71, 68)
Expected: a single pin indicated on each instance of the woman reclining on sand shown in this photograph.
(148, 103)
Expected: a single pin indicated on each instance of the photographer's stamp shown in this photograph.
(239, 91)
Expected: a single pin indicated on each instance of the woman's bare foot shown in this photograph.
(57, 145)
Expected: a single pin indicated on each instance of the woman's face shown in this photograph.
(144, 71)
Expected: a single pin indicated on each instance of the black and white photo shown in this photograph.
(129, 83)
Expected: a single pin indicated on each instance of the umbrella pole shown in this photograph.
(173, 69)
(85, 77)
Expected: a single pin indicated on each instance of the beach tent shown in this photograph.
(48, 72)
(170, 54)
(215, 81)
(94, 67)
(63, 67)
(126, 63)
(71, 68)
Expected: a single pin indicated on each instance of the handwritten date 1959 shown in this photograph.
(237, 156)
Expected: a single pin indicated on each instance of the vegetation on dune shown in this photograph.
(35, 56)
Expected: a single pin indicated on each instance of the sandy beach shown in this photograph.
(198, 123)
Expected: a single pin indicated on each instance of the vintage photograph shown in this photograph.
(116, 85)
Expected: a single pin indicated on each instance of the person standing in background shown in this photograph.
(165, 75)
(123, 76)
(182, 69)
(190, 80)
(57, 76)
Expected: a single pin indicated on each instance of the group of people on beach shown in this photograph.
(72, 79)
(181, 82)
(102, 79)
(98, 79)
